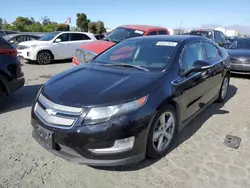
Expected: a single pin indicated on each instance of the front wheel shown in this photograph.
(44, 57)
(162, 132)
(224, 89)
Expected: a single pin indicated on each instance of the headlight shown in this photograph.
(102, 114)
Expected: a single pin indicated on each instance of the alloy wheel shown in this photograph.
(163, 131)
(224, 88)
(44, 58)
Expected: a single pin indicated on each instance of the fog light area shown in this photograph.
(121, 145)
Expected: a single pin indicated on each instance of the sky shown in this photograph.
(167, 13)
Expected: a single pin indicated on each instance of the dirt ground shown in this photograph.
(198, 158)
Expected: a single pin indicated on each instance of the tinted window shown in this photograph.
(153, 33)
(32, 37)
(152, 54)
(217, 36)
(240, 44)
(64, 37)
(119, 34)
(211, 50)
(162, 32)
(20, 39)
(207, 34)
(191, 53)
(222, 36)
(78, 36)
(49, 36)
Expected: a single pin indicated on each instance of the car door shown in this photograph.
(214, 74)
(77, 39)
(62, 49)
(192, 86)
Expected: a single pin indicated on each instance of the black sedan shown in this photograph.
(239, 52)
(129, 102)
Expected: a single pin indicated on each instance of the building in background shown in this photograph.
(228, 32)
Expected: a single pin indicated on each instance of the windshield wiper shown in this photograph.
(127, 65)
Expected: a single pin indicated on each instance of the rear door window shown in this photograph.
(162, 32)
(153, 33)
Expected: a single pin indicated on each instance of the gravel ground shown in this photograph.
(198, 158)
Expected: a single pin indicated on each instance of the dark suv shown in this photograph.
(215, 35)
(11, 75)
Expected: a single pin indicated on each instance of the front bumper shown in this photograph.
(240, 68)
(76, 144)
(26, 54)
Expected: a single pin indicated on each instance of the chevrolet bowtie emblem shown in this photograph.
(51, 112)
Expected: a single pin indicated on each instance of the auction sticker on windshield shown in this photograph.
(165, 43)
(139, 32)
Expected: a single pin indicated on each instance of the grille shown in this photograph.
(56, 115)
(240, 60)
(83, 56)
(21, 47)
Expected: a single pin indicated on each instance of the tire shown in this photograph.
(44, 57)
(152, 150)
(224, 89)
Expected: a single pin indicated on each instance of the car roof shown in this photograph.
(142, 27)
(174, 38)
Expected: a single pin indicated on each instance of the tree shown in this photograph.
(100, 27)
(21, 23)
(35, 27)
(45, 20)
(82, 21)
(92, 27)
(63, 27)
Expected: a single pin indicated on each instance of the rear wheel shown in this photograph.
(44, 57)
(224, 89)
(162, 132)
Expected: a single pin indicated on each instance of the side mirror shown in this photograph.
(58, 40)
(198, 66)
(11, 42)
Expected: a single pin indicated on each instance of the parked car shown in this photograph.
(7, 32)
(11, 75)
(53, 46)
(117, 35)
(215, 35)
(15, 39)
(116, 112)
(239, 52)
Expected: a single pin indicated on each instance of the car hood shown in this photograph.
(33, 42)
(238, 52)
(97, 46)
(89, 85)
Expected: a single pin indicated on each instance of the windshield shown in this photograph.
(49, 36)
(120, 34)
(207, 34)
(150, 54)
(240, 44)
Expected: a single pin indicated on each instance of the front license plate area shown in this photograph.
(45, 137)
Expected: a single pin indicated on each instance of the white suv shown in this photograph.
(53, 46)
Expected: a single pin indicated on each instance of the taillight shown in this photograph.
(12, 52)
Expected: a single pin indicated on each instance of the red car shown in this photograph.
(88, 50)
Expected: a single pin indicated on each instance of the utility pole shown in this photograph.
(180, 28)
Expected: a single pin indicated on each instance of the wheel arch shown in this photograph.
(45, 50)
